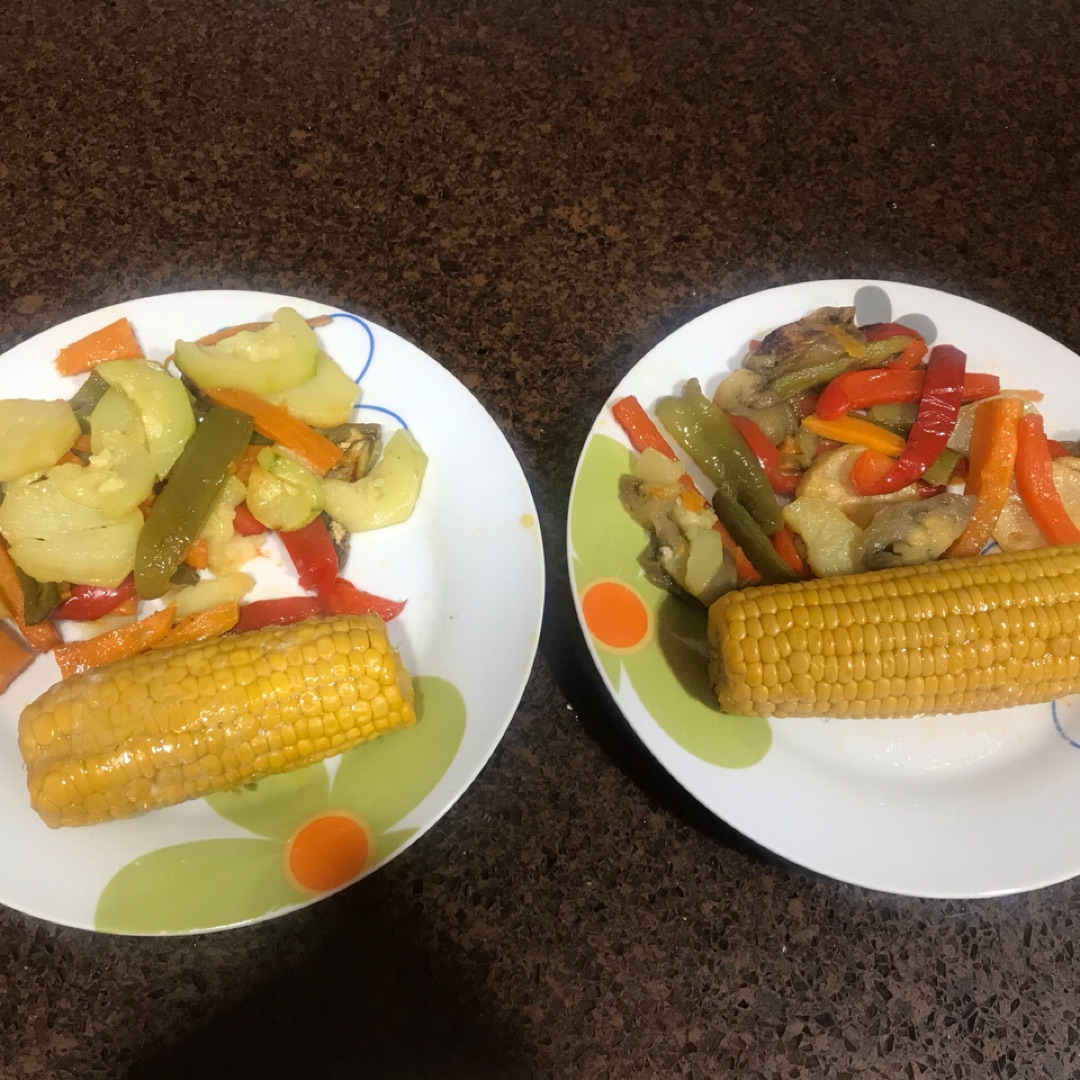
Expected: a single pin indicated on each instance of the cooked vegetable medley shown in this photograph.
(838, 450)
(128, 512)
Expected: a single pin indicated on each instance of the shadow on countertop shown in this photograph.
(370, 998)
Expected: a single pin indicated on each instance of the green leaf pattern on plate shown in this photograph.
(206, 884)
(668, 673)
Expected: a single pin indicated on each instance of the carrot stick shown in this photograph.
(42, 636)
(128, 640)
(202, 625)
(315, 450)
(850, 429)
(247, 462)
(15, 658)
(1035, 483)
(198, 555)
(113, 342)
(990, 470)
(784, 542)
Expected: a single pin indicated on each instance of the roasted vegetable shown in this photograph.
(276, 357)
(53, 538)
(916, 532)
(829, 479)
(939, 405)
(184, 504)
(387, 494)
(811, 352)
(36, 434)
(183, 722)
(686, 554)
(360, 445)
(833, 542)
(743, 500)
(740, 394)
(326, 399)
(282, 493)
(956, 636)
(162, 404)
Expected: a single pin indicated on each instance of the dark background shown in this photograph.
(535, 194)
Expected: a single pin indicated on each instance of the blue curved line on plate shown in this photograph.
(371, 340)
(389, 412)
(1060, 730)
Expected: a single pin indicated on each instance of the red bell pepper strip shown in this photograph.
(1035, 483)
(782, 482)
(90, 602)
(943, 389)
(913, 352)
(246, 523)
(1058, 449)
(281, 612)
(346, 599)
(312, 553)
(890, 386)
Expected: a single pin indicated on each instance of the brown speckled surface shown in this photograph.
(536, 194)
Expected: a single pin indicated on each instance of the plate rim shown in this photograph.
(647, 731)
(530, 632)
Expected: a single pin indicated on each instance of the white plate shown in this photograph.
(470, 563)
(967, 806)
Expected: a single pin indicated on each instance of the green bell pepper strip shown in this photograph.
(181, 509)
(744, 500)
(800, 380)
(40, 598)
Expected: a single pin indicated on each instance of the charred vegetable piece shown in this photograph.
(687, 555)
(738, 395)
(86, 398)
(184, 503)
(360, 445)
(914, 533)
(824, 335)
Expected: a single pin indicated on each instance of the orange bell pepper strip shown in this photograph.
(852, 429)
(1035, 483)
(202, 625)
(42, 636)
(15, 658)
(990, 471)
(116, 341)
(315, 450)
(113, 645)
(644, 435)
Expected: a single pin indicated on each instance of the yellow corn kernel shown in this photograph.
(960, 635)
(113, 742)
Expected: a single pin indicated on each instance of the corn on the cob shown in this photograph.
(183, 722)
(960, 635)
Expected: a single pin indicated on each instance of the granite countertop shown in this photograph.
(536, 194)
